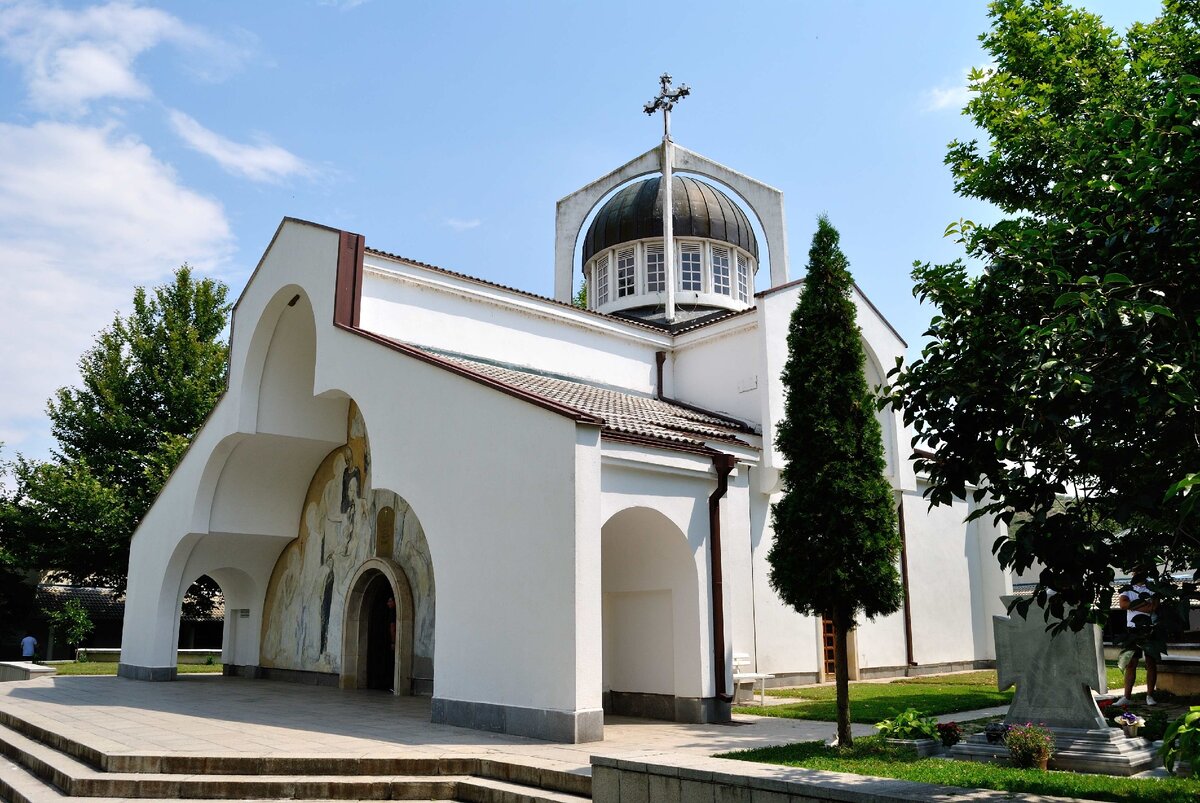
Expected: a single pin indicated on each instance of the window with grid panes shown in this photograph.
(720, 270)
(626, 275)
(689, 267)
(743, 282)
(656, 273)
(601, 280)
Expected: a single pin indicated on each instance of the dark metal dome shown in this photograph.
(700, 210)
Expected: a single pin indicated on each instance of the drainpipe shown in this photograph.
(908, 637)
(724, 464)
(660, 357)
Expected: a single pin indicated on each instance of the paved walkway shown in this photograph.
(220, 716)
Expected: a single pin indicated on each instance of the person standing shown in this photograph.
(1138, 601)
(29, 647)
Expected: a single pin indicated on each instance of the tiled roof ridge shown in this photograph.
(663, 420)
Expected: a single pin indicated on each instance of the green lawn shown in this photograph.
(106, 668)
(930, 694)
(871, 756)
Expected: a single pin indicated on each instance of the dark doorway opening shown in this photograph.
(380, 602)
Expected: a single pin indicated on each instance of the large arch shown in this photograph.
(765, 201)
(653, 643)
(356, 626)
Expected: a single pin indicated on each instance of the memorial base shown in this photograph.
(1104, 751)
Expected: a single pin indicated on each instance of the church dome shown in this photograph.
(700, 210)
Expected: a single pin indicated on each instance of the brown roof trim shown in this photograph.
(619, 436)
(347, 289)
(773, 290)
(525, 293)
(695, 328)
(555, 407)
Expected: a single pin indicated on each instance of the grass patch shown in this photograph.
(932, 695)
(110, 668)
(871, 756)
(871, 702)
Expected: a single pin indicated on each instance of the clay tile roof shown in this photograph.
(104, 604)
(622, 413)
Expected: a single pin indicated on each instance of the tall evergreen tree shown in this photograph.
(836, 543)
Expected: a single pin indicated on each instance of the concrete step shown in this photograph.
(295, 778)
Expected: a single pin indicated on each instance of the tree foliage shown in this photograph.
(1061, 384)
(836, 543)
(145, 387)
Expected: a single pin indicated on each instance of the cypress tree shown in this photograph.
(836, 544)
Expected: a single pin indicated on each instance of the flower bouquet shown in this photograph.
(950, 733)
(1129, 722)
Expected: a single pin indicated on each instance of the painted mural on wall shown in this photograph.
(306, 598)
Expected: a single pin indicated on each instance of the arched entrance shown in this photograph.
(377, 635)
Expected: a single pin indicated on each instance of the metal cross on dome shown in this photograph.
(666, 100)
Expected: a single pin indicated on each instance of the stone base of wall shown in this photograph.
(666, 707)
(286, 675)
(871, 673)
(1179, 674)
(154, 673)
(571, 727)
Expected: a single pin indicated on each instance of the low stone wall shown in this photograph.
(23, 670)
(709, 780)
(113, 655)
(1179, 674)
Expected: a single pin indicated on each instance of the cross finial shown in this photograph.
(666, 100)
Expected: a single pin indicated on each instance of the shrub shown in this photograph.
(1028, 744)
(909, 724)
(1156, 726)
(1182, 740)
(950, 733)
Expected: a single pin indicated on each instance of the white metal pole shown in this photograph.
(668, 217)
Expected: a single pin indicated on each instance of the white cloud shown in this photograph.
(261, 162)
(86, 215)
(952, 95)
(342, 5)
(459, 224)
(71, 58)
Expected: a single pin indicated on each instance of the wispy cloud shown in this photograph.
(71, 58)
(86, 214)
(459, 224)
(952, 94)
(342, 5)
(260, 162)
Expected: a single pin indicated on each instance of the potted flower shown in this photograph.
(1029, 745)
(950, 733)
(994, 731)
(1129, 722)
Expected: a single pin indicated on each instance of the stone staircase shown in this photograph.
(37, 766)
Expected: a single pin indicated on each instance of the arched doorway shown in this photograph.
(377, 636)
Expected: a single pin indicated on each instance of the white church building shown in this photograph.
(570, 508)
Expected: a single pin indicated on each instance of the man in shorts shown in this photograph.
(1139, 601)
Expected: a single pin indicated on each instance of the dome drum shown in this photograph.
(716, 253)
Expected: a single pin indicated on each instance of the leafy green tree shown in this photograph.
(1068, 369)
(71, 621)
(580, 300)
(836, 543)
(146, 387)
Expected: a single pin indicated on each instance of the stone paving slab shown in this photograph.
(226, 716)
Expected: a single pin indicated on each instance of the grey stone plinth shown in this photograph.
(572, 727)
(24, 670)
(1105, 751)
(922, 747)
(154, 673)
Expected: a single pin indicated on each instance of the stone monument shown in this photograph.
(1055, 675)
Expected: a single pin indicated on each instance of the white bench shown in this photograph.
(742, 663)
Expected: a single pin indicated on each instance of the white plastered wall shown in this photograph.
(717, 368)
(502, 528)
(427, 308)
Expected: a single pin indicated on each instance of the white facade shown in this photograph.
(392, 429)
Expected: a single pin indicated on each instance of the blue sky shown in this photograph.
(135, 137)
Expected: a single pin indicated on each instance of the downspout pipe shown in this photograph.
(723, 463)
(660, 357)
(908, 636)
